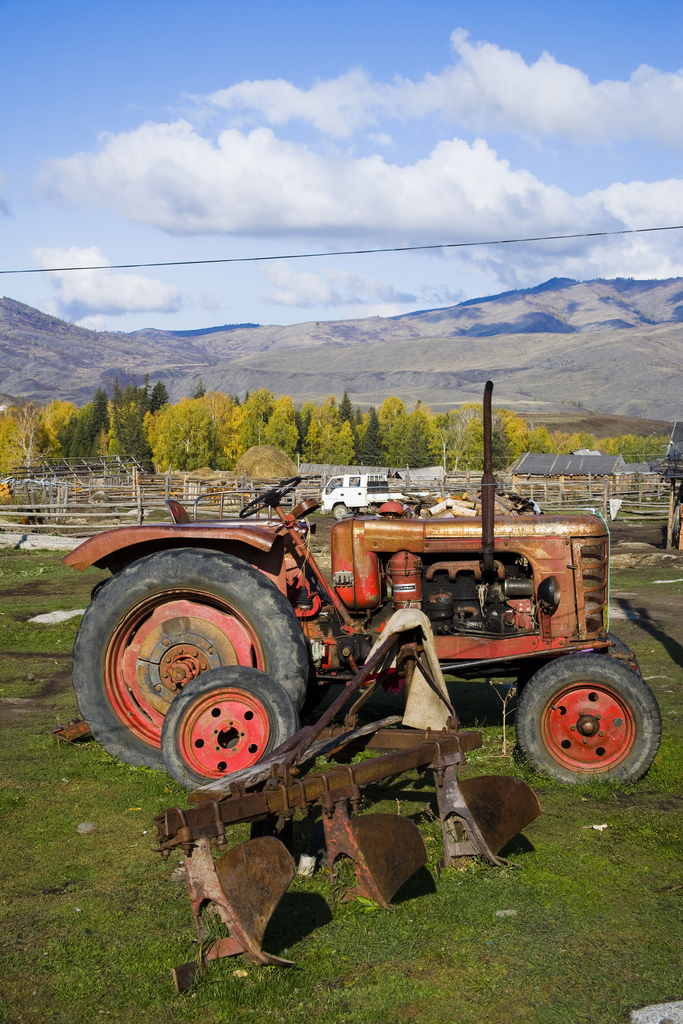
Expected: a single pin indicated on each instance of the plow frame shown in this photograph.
(246, 883)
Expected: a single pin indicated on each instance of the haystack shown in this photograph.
(206, 474)
(265, 462)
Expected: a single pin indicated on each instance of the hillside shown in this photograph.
(614, 346)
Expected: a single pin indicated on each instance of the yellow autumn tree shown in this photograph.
(226, 417)
(182, 435)
(56, 416)
(281, 429)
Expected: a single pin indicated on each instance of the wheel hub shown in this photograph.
(588, 725)
(223, 731)
(588, 728)
(182, 663)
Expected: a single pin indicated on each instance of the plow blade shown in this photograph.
(254, 877)
(244, 886)
(501, 807)
(386, 850)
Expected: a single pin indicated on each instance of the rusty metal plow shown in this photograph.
(245, 884)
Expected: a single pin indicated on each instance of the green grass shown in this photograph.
(92, 924)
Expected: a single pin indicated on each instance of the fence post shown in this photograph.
(670, 522)
(605, 499)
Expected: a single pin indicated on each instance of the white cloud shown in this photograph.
(336, 107)
(333, 287)
(82, 293)
(382, 139)
(489, 88)
(170, 177)
(93, 323)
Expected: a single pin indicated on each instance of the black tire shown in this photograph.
(231, 689)
(221, 583)
(559, 696)
(340, 511)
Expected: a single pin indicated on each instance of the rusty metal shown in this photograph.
(289, 522)
(305, 508)
(455, 566)
(480, 816)
(343, 697)
(244, 886)
(246, 883)
(76, 729)
(386, 850)
(488, 485)
(106, 549)
(178, 511)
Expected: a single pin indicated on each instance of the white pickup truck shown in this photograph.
(355, 492)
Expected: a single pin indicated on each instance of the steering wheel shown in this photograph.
(271, 499)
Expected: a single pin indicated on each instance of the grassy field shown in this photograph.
(92, 923)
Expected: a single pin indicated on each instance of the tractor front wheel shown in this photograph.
(586, 714)
(223, 721)
(162, 622)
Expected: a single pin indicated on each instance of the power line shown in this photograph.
(344, 252)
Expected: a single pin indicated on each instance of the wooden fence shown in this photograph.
(91, 504)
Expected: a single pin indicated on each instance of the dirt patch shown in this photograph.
(59, 682)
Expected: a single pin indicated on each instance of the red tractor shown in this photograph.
(201, 650)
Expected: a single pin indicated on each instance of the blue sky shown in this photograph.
(137, 132)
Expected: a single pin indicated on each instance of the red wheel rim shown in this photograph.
(588, 728)
(161, 645)
(223, 731)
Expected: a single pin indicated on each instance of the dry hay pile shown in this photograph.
(265, 462)
(207, 474)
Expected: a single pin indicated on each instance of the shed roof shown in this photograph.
(540, 464)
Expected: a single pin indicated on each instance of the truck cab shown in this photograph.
(356, 492)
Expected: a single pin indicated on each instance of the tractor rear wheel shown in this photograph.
(586, 714)
(225, 720)
(166, 619)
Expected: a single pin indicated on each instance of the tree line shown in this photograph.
(214, 429)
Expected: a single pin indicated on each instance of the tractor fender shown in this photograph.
(262, 547)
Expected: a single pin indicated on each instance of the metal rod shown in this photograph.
(488, 485)
(455, 667)
(341, 700)
(307, 556)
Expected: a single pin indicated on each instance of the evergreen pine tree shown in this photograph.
(346, 409)
(303, 422)
(99, 421)
(371, 451)
(158, 397)
(81, 439)
(200, 390)
(417, 446)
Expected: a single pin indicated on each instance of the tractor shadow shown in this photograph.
(477, 703)
(641, 615)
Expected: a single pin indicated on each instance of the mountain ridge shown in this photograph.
(613, 345)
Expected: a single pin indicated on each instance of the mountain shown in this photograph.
(614, 345)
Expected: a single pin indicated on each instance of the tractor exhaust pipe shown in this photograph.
(488, 486)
